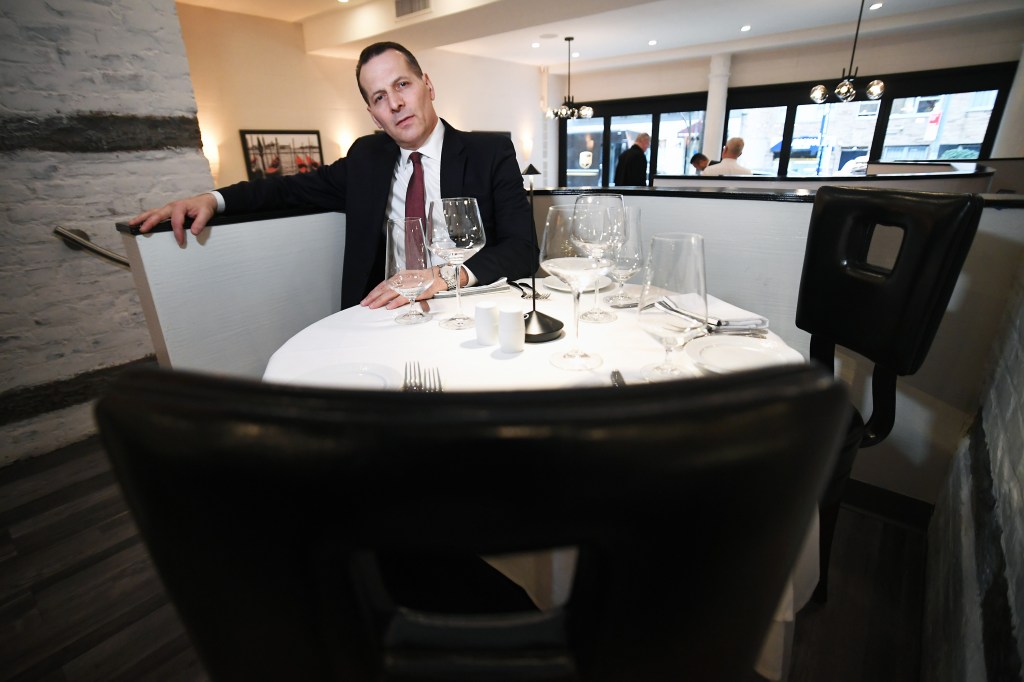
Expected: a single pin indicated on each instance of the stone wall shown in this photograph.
(974, 607)
(98, 122)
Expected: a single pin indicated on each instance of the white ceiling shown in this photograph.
(607, 32)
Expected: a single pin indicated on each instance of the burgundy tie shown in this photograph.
(415, 200)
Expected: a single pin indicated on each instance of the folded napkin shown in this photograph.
(722, 314)
(500, 285)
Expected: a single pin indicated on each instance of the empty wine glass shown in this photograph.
(563, 254)
(674, 273)
(614, 205)
(408, 268)
(456, 232)
(629, 259)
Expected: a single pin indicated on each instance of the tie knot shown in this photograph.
(415, 158)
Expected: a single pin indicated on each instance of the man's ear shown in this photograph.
(430, 86)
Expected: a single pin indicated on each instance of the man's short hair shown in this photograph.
(735, 145)
(697, 158)
(378, 49)
(643, 137)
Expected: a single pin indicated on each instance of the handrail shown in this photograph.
(76, 239)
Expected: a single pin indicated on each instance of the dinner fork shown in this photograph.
(413, 381)
(536, 294)
(418, 380)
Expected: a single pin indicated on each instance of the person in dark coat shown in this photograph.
(632, 166)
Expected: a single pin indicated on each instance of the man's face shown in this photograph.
(700, 164)
(400, 102)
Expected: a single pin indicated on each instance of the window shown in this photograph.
(680, 136)
(584, 152)
(944, 114)
(830, 139)
(938, 127)
(624, 132)
(761, 128)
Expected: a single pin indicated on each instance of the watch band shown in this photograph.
(448, 275)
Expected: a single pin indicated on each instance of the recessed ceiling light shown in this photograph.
(652, 43)
(575, 55)
(343, 1)
(745, 28)
(534, 44)
(877, 5)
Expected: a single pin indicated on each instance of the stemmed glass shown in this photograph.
(629, 259)
(456, 233)
(408, 265)
(614, 205)
(563, 254)
(674, 273)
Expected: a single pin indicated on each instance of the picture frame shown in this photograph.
(275, 153)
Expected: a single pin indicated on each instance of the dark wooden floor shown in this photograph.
(79, 599)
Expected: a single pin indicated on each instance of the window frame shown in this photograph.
(998, 77)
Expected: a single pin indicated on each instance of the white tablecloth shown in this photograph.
(366, 348)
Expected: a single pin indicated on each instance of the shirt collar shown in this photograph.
(431, 148)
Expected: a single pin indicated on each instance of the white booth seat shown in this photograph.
(228, 299)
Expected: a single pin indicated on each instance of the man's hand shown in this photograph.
(383, 295)
(200, 208)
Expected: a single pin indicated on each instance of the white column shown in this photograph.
(714, 116)
(1009, 142)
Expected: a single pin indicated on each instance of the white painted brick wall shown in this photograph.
(65, 312)
(1004, 426)
(68, 56)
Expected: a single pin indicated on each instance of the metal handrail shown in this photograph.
(76, 239)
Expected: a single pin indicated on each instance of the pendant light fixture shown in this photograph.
(846, 91)
(568, 108)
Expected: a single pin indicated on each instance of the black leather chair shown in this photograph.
(263, 507)
(882, 306)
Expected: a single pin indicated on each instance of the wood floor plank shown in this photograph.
(131, 651)
(75, 614)
(25, 490)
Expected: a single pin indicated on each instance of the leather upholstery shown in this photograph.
(263, 507)
(888, 314)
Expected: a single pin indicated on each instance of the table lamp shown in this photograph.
(539, 327)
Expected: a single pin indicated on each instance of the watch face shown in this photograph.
(447, 271)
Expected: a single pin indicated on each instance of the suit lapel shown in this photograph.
(453, 162)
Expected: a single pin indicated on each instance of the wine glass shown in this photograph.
(562, 254)
(629, 259)
(456, 233)
(408, 268)
(674, 273)
(614, 204)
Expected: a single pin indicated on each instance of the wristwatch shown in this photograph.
(447, 273)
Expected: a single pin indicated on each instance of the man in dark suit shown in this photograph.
(631, 168)
(370, 184)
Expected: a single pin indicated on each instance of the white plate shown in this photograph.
(721, 353)
(552, 282)
(352, 375)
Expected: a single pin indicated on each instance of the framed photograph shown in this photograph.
(273, 153)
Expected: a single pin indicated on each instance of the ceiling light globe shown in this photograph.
(586, 112)
(845, 90)
(875, 89)
(563, 111)
(819, 93)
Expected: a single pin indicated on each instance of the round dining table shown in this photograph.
(363, 348)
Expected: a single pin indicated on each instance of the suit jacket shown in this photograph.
(480, 165)
(631, 168)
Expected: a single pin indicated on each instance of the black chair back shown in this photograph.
(264, 507)
(887, 311)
